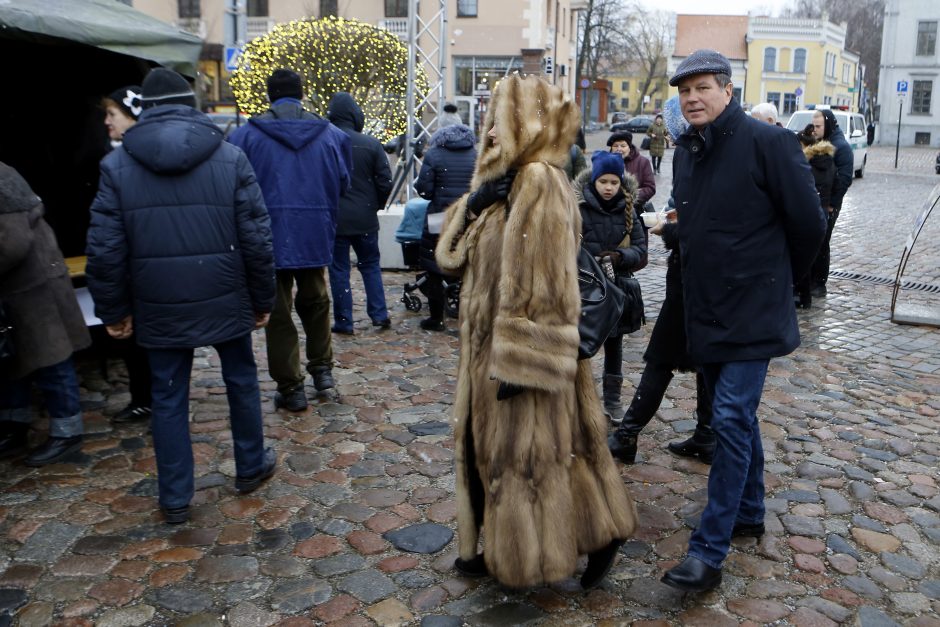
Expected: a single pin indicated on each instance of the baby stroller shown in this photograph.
(408, 235)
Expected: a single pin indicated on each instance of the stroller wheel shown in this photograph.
(452, 300)
(412, 302)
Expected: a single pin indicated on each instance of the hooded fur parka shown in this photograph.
(533, 470)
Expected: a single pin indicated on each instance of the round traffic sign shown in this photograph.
(585, 83)
(798, 91)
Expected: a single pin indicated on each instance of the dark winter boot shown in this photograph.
(612, 407)
(701, 445)
(646, 400)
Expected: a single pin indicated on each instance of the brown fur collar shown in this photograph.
(822, 147)
(536, 121)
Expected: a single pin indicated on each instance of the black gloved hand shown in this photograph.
(490, 193)
(508, 390)
(615, 257)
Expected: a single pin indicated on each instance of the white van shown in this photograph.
(852, 125)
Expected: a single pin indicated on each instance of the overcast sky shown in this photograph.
(719, 7)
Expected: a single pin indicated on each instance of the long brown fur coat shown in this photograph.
(534, 470)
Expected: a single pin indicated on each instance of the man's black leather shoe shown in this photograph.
(382, 324)
(175, 515)
(692, 447)
(249, 484)
(692, 575)
(747, 530)
(475, 567)
(53, 450)
(295, 400)
(323, 378)
(622, 446)
(599, 564)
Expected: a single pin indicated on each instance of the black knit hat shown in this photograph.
(620, 136)
(701, 62)
(284, 84)
(127, 100)
(165, 87)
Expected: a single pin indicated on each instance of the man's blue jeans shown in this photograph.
(59, 386)
(367, 260)
(736, 478)
(171, 370)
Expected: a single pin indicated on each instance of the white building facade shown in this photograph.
(910, 73)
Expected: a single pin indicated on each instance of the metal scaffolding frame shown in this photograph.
(426, 46)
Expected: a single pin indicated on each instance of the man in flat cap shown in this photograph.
(750, 223)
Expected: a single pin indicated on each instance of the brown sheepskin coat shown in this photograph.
(534, 470)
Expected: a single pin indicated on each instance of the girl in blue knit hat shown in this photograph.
(610, 228)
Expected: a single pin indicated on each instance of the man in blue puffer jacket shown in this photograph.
(179, 253)
(303, 165)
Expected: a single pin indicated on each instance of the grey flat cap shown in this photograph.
(701, 62)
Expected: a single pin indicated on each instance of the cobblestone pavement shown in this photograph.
(850, 429)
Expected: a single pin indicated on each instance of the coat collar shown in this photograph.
(699, 143)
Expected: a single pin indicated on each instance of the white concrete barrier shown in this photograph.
(390, 250)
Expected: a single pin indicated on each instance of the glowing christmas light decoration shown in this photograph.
(331, 54)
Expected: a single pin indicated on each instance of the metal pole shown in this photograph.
(897, 144)
(408, 152)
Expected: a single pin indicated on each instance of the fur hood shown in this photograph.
(629, 185)
(822, 147)
(536, 122)
(453, 137)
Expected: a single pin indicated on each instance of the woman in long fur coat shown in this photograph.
(533, 467)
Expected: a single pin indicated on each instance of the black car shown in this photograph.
(938, 164)
(635, 125)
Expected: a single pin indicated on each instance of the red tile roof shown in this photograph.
(724, 33)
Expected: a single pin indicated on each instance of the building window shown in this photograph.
(475, 76)
(920, 98)
(846, 75)
(770, 59)
(624, 85)
(658, 104)
(189, 9)
(328, 7)
(466, 8)
(926, 39)
(921, 139)
(625, 103)
(789, 104)
(799, 60)
(259, 8)
(736, 94)
(773, 97)
(395, 8)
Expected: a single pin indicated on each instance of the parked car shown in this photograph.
(635, 125)
(619, 116)
(852, 125)
(938, 163)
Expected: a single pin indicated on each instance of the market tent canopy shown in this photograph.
(107, 24)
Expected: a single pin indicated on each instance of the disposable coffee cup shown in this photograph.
(650, 219)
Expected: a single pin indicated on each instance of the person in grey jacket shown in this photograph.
(179, 253)
(825, 127)
(357, 221)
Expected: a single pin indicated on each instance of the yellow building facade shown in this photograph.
(625, 93)
(793, 63)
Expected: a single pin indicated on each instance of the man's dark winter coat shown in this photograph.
(749, 221)
(303, 164)
(371, 178)
(844, 158)
(179, 235)
(445, 176)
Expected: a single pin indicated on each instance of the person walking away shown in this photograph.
(179, 253)
(303, 166)
(659, 138)
(820, 155)
(531, 461)
(610, 228)
(445, 176)
(576, 161)
(357, 221)
(122, 108)
(665, 354)
(826, 127)
(637, 165)
(749, 221)
(39, 303)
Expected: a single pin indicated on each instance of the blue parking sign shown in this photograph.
(232, 55)
(902, 87)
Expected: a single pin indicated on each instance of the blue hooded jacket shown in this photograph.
(179, 235)
(304, 165)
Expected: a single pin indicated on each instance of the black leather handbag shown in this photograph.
(6, 337)
(601, 305)
(633, 314)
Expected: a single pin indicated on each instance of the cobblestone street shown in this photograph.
(850, 430)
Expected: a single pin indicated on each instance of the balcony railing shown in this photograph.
(257, 26)
(396, 26)
(194, 25)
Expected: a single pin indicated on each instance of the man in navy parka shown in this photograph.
(303, 165)
(179, 252)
